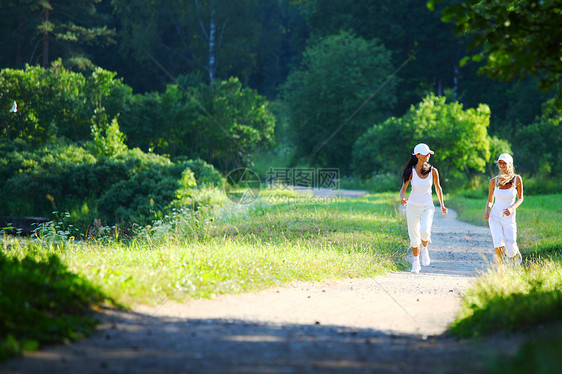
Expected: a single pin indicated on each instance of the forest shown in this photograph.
(255, 84)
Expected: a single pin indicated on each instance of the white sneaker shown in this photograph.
(416, 265)
(425, 256)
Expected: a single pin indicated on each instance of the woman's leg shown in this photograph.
(426, 222)
(500, 255)
(413, 216)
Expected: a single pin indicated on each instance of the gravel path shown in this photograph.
(388, 324)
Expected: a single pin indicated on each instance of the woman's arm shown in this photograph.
(403, 199)
(519, 187)
(490, 202)
(439, 191)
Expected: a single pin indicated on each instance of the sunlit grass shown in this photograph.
(189, 256)
(512, 298)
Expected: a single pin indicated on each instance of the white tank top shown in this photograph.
(421, 189)
(503, 199)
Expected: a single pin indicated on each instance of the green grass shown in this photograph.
(262, 246)
(243, 248)
(539, 219)
(512, 298)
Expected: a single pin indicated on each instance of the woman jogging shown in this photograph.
(420, 208)
(500, 208)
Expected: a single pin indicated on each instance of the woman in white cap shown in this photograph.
(420, 208)
(505, 194)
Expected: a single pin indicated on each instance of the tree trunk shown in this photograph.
(212, 43)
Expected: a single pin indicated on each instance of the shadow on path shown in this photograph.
(133, 343)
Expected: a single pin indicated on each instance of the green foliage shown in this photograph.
(511, 298)
(459, 138)
(408, 29)
(43, 302)
(538, 148)
(231, 122)
(142, 198)
(334, 96)
(222, 123)
(255, 41)
(47, 30)
(514, 38)
(205, 174)
(376, 183)
(108, 140)
(131, 185)
(55, 102)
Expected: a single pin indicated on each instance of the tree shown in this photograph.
(228, 123)
(222, 123)
(514, 38)
(341, 88)
(46, 30)
(215, 36)
(458, 136)
(405, 27)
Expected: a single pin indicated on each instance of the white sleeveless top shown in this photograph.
(421, 189)
(503, 199)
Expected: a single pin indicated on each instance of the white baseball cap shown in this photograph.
(422, 149)
(506, 157)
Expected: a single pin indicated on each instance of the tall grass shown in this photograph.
(512, 298)
(199, 255)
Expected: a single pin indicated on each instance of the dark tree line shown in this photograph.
(152, 44)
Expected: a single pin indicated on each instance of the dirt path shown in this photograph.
(392, 323)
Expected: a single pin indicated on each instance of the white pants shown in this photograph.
(504, 232)
(420, 219)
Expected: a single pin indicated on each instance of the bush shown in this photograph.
(56, 102)
(127, 187)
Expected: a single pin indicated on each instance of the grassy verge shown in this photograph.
(251, 247)
(512, 298)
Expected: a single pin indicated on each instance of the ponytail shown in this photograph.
(407, 168)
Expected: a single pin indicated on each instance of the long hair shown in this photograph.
(505, 178)
(407, 168)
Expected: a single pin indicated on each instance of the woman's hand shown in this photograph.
(444, 210)
(508, 211)
(486, 215)
(404, 201)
